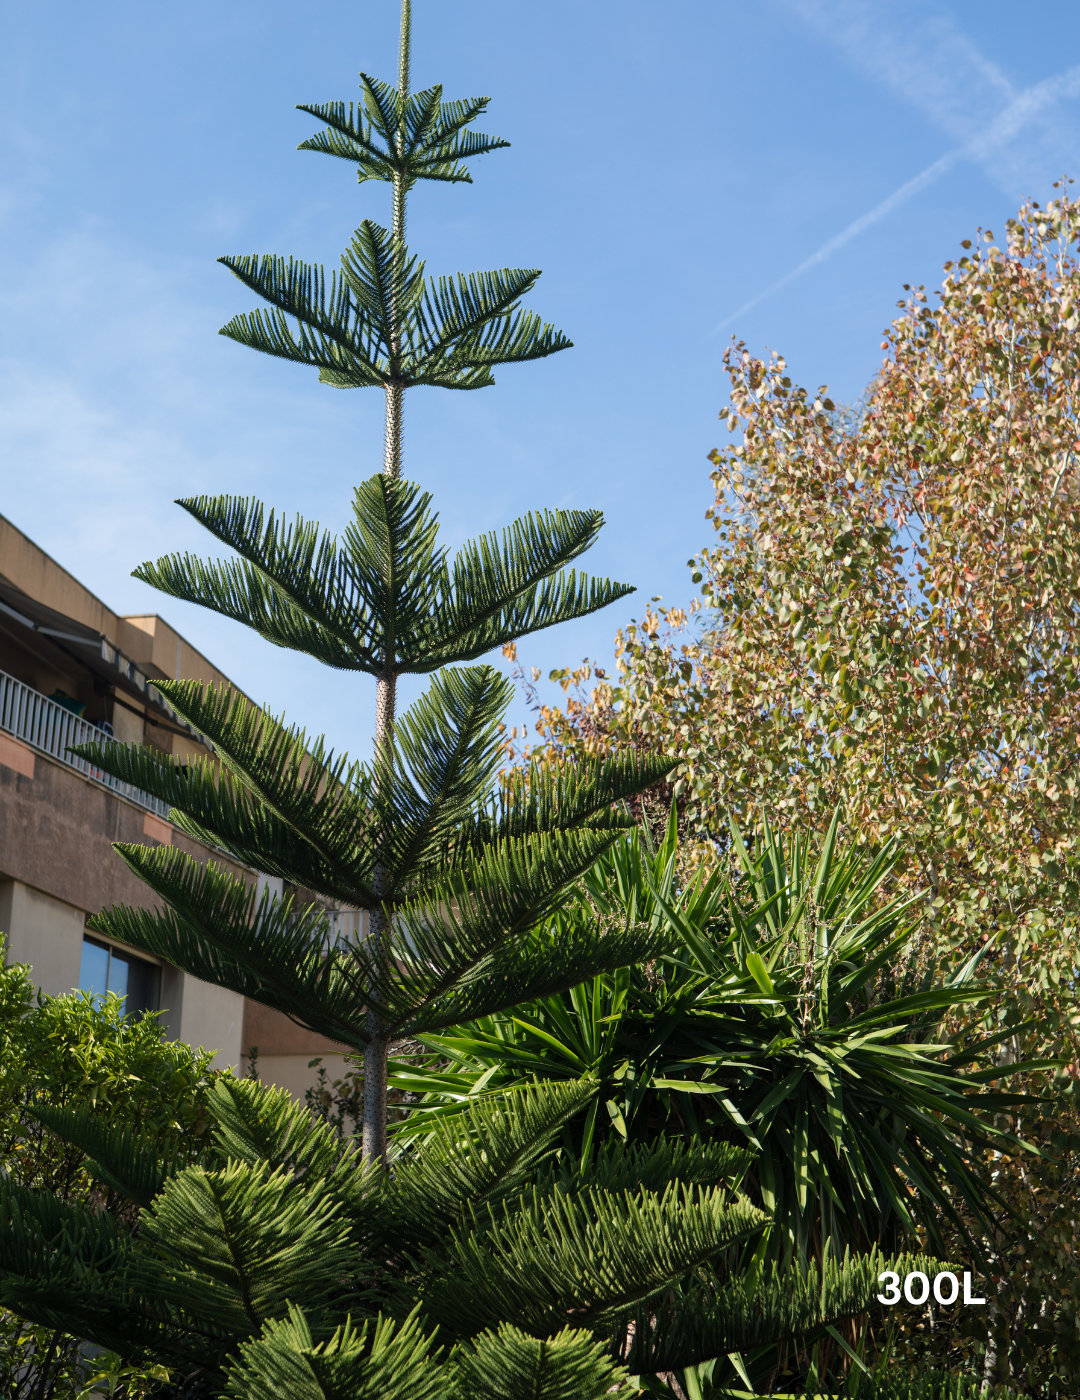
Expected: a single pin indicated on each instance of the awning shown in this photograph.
(92, 649)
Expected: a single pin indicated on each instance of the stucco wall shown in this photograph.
(57, 830)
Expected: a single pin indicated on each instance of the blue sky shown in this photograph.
(670, 166)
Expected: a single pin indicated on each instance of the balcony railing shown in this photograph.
(47, 726)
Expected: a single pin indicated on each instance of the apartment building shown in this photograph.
(72, 670)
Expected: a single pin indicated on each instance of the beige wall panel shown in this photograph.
(16, 755)
(212, 1017)
(44, 932)
(291, 1072)
(28, 567)
(127, 728)
(56, 834)
(150, 641)
(274, 1034)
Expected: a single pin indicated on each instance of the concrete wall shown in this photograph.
(161, 651)
(285, 1049)
(203, 1015)
(28, 567)
(293, 1073)
(57, 829)
(44, 932)
(147, 639)
(57, 863)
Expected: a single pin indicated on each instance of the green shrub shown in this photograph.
(72, 1051)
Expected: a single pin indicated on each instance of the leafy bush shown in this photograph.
(889, 611)
(76, 1051)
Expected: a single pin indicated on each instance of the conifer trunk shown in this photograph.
(375, 1055)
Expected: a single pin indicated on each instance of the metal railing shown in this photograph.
(47, 726)
(347, 926)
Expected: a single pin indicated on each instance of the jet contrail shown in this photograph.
(1015, 116)
(920, 181)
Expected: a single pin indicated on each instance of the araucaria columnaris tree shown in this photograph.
(455, 881)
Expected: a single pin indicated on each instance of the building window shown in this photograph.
(107, 969)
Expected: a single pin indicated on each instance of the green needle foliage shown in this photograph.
(484, 1265)
(389, 602)
(379, 321)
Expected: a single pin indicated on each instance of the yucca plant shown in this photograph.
(884, 1383)
(790, 1013)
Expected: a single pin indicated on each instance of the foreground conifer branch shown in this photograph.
(286, 1264)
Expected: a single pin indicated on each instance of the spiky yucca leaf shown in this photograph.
(215, 928)
(848, 1101)
(507, 1363)
(544, 1262)
(383, 1360)
(886, 1383)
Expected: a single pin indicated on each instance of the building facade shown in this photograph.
(71, 671)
